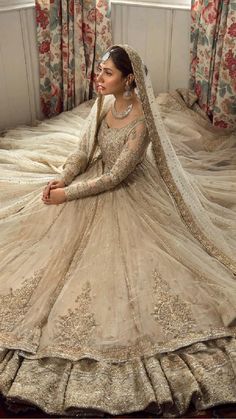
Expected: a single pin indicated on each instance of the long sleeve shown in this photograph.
(128, 159)
(75, 163)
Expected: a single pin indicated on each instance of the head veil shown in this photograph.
(184, 193)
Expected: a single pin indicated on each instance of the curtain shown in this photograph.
(72, 35)
(213, 59)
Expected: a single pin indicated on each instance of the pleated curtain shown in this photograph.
(72, 35)
(213, 59)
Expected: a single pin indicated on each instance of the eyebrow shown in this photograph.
(105, 68)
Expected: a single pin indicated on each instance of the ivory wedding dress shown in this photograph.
(124, 297)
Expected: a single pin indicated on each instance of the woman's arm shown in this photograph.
(130, 156)
(75, 163)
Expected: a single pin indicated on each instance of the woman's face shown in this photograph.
(109, 79)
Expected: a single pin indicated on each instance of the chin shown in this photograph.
(101, 92)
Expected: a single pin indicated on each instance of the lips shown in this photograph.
(100, 87)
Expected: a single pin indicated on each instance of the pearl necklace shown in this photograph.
(121, 115)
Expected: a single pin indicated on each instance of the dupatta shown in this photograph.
(180, 186)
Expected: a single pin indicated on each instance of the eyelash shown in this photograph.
(106, 72)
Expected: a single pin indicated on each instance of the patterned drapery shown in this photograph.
(72, 35)
(213, 59)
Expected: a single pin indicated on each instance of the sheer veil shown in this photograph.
(204, 223)
(110, 303)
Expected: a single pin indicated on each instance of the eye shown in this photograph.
(105, 70)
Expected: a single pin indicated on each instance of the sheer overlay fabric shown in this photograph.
(124, 297)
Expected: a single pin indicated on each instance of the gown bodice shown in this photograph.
(112, 140)
(122, 149)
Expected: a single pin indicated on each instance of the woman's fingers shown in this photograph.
(46, 191)
(47, 200)
(54, 186)
(53, 196)
(48, 187)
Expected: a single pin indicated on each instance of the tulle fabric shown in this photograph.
(108, 303)
(183, 188)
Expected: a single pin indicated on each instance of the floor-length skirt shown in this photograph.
(107, 303)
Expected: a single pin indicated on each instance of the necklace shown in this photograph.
(121, 115)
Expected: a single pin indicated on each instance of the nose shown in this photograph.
(99, 76)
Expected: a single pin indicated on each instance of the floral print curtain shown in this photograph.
(72, 35)
(213, 59)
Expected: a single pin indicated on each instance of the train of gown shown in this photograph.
(107, 303)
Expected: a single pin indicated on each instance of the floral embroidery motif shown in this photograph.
(14, 305)
(173, 313)
(77, 325)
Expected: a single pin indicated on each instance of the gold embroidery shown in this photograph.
(76, 327)
(120, 158)
(175, 189)
(173, 314)
(140, 348)
(201, 373)
(14, 305)
(74, 165)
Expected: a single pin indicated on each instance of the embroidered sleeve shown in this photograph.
(75, 163)
(131, 154)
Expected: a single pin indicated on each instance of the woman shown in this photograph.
(115, 77)
(123, 299)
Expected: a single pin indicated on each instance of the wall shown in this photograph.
(161, 35)
(19, 76)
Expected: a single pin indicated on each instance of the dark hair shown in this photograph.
(121, 60)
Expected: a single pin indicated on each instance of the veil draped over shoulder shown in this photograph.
(124, 300)
(211, 225)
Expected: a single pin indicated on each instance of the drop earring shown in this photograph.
(127, 95)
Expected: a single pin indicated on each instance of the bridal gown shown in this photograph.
(107, 302)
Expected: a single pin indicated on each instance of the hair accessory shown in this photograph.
(107, 55)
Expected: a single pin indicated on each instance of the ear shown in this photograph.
(130, 78)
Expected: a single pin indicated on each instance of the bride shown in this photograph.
(123, 297)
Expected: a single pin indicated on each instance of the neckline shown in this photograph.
(125, 126)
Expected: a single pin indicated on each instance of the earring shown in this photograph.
(128, 92)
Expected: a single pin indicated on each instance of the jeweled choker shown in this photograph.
(121, 115)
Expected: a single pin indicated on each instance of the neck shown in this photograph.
(122, 103)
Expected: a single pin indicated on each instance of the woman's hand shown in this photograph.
(54, 184)
(55, 197)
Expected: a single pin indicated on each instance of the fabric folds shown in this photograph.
(108, 303)
(164, 383)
